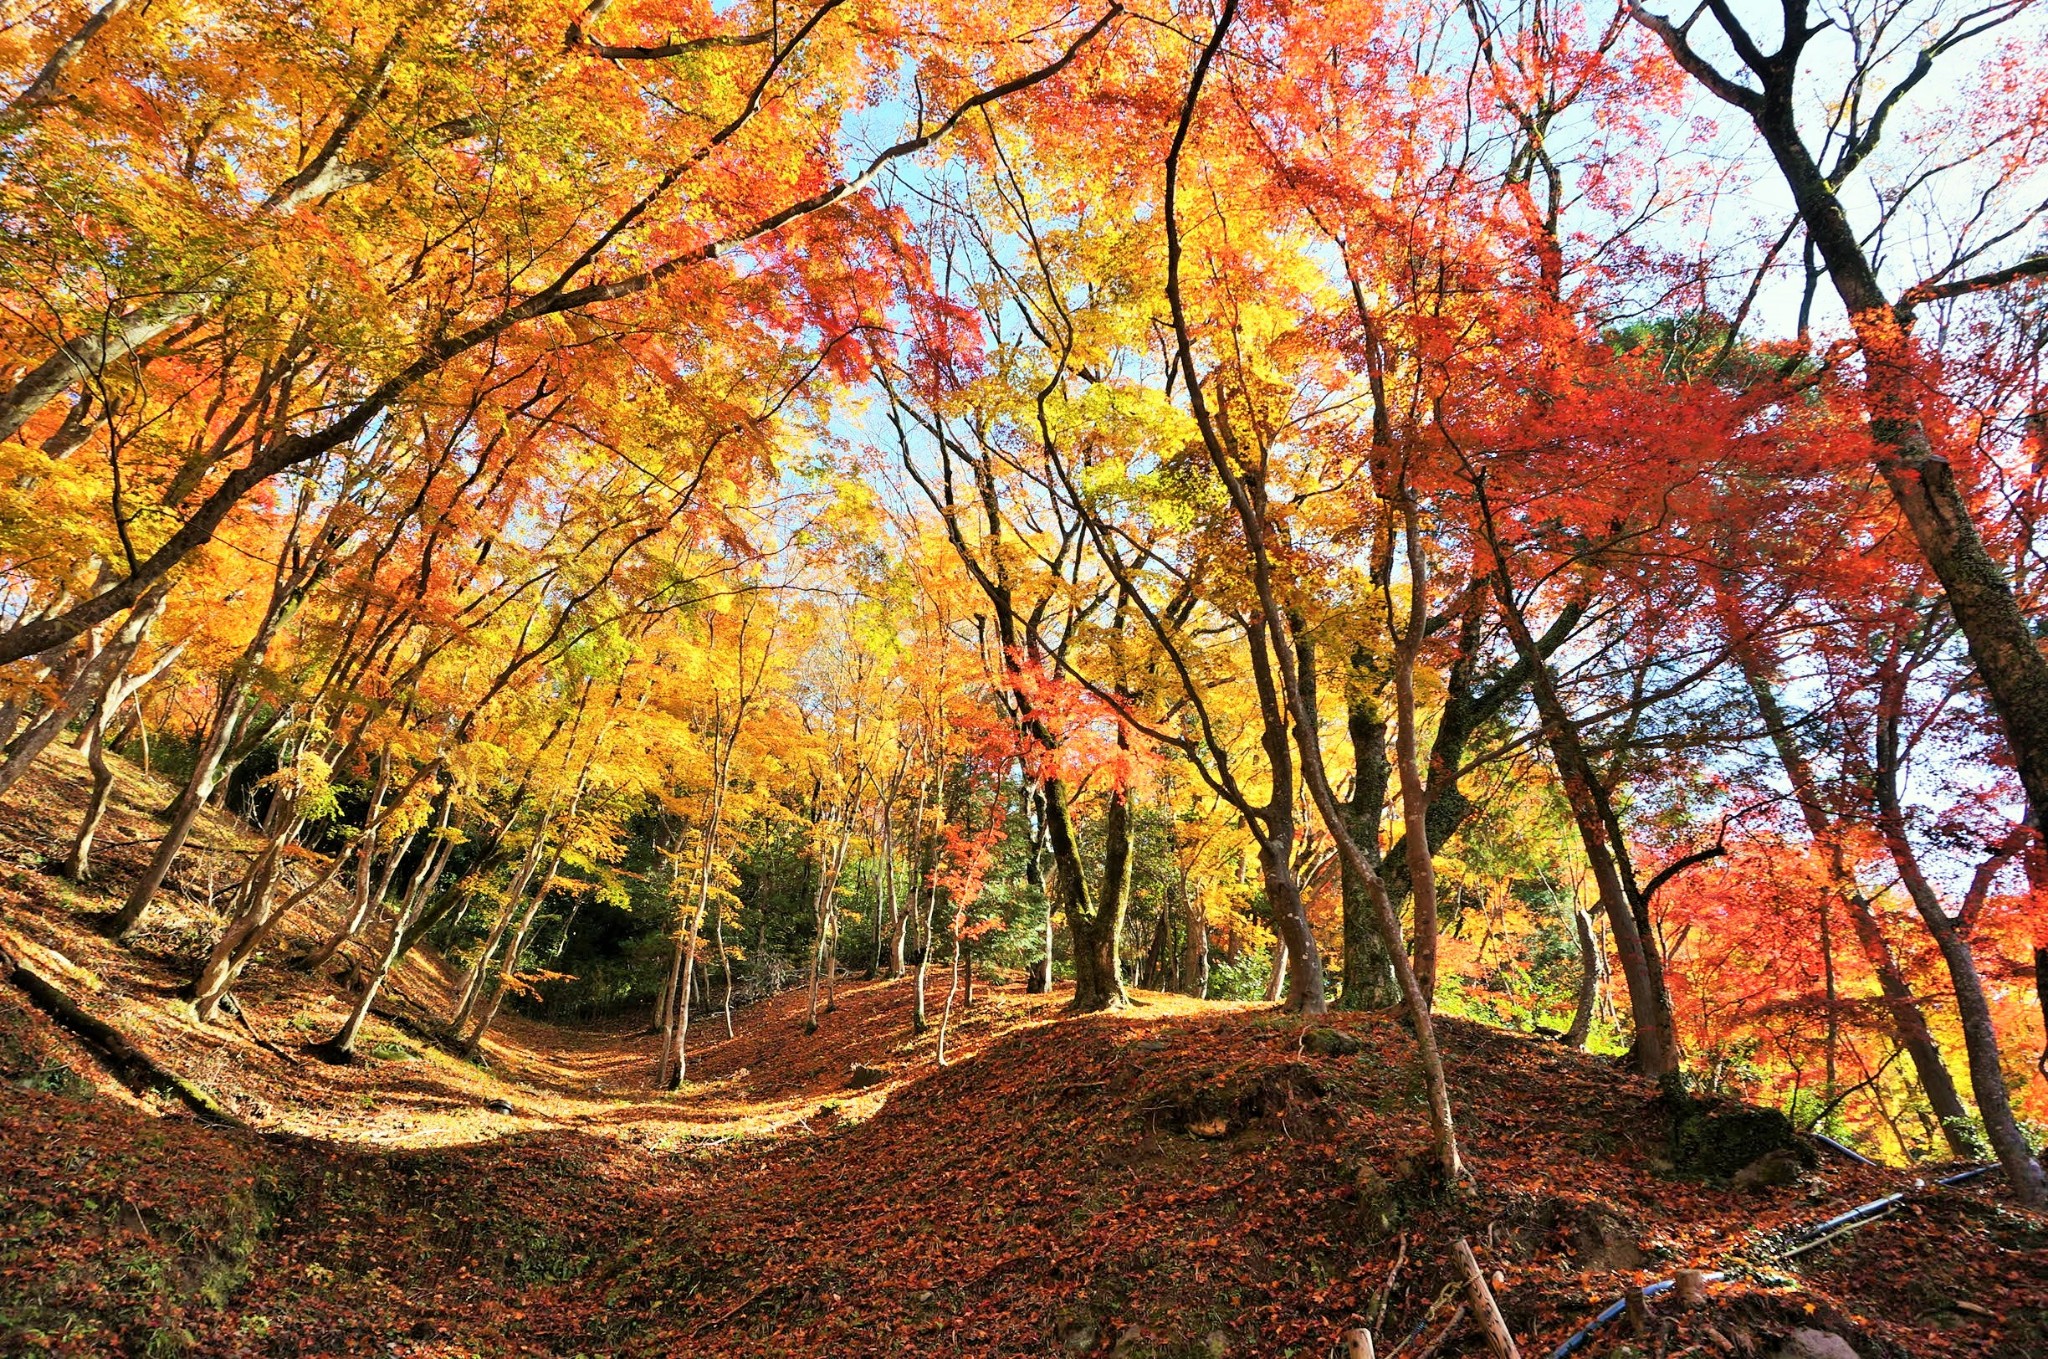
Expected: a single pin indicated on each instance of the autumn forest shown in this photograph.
(1198, 678)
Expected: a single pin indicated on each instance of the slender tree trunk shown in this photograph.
(98, 674)
(514, 895)
(78, 864)
(919, 1022)
(343, 1043)
(1656, 1039)
(371, 896)
(184, 811)
(1276, 982)
(946, 1016)
(2001, 640)
(508, 967)
(1980, 1034)
(1589, 980)
(1156, 969)
(1301, 699)
(82, 669)
(255, 915)
(365, 856)
(724, 964)
(1909, 1022)
(421, 889)
(825, 911)
(677, 1062)
(1414, 797)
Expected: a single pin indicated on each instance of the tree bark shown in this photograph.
(78, 865)
(2000, 638)
(515, 894)
(1656, 1045)
(1909, 1022)
(1589, 981)
(1368, 977)
(1980, 1033)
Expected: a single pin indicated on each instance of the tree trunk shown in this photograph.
(1656, 1040)
(256, 914)
(343, 1043)
(946, 1015)
(514, 895)
(2001, 642)
(509, 965)
(1276, 976)
(97, 675)
(1589, 980)
(1980, 1034)
(78, 864)
(919, 1022)
(1096, 928)
(1414, 797)
(1909, 1022)
(1368, 970)
(184, 811)
(1194, 959)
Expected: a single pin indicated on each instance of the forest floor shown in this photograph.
(1180, 1179)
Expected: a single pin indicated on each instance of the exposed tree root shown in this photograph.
(128, 1064)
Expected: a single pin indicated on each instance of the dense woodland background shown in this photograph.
(1519, 513)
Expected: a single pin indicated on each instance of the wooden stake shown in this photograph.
(1483, 1309)
(1358, 1344)
(1638, 1312)
(1689, 1286)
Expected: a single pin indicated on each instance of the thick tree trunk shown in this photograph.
(1304, 970)
(1096, 927)
(1194, 958)
(1368, 969)
(2002, 643)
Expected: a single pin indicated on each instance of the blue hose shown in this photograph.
(1842, 1148)
(1620, 1305)
(1861, 1213)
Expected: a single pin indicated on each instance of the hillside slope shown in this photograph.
(1181, 1179)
